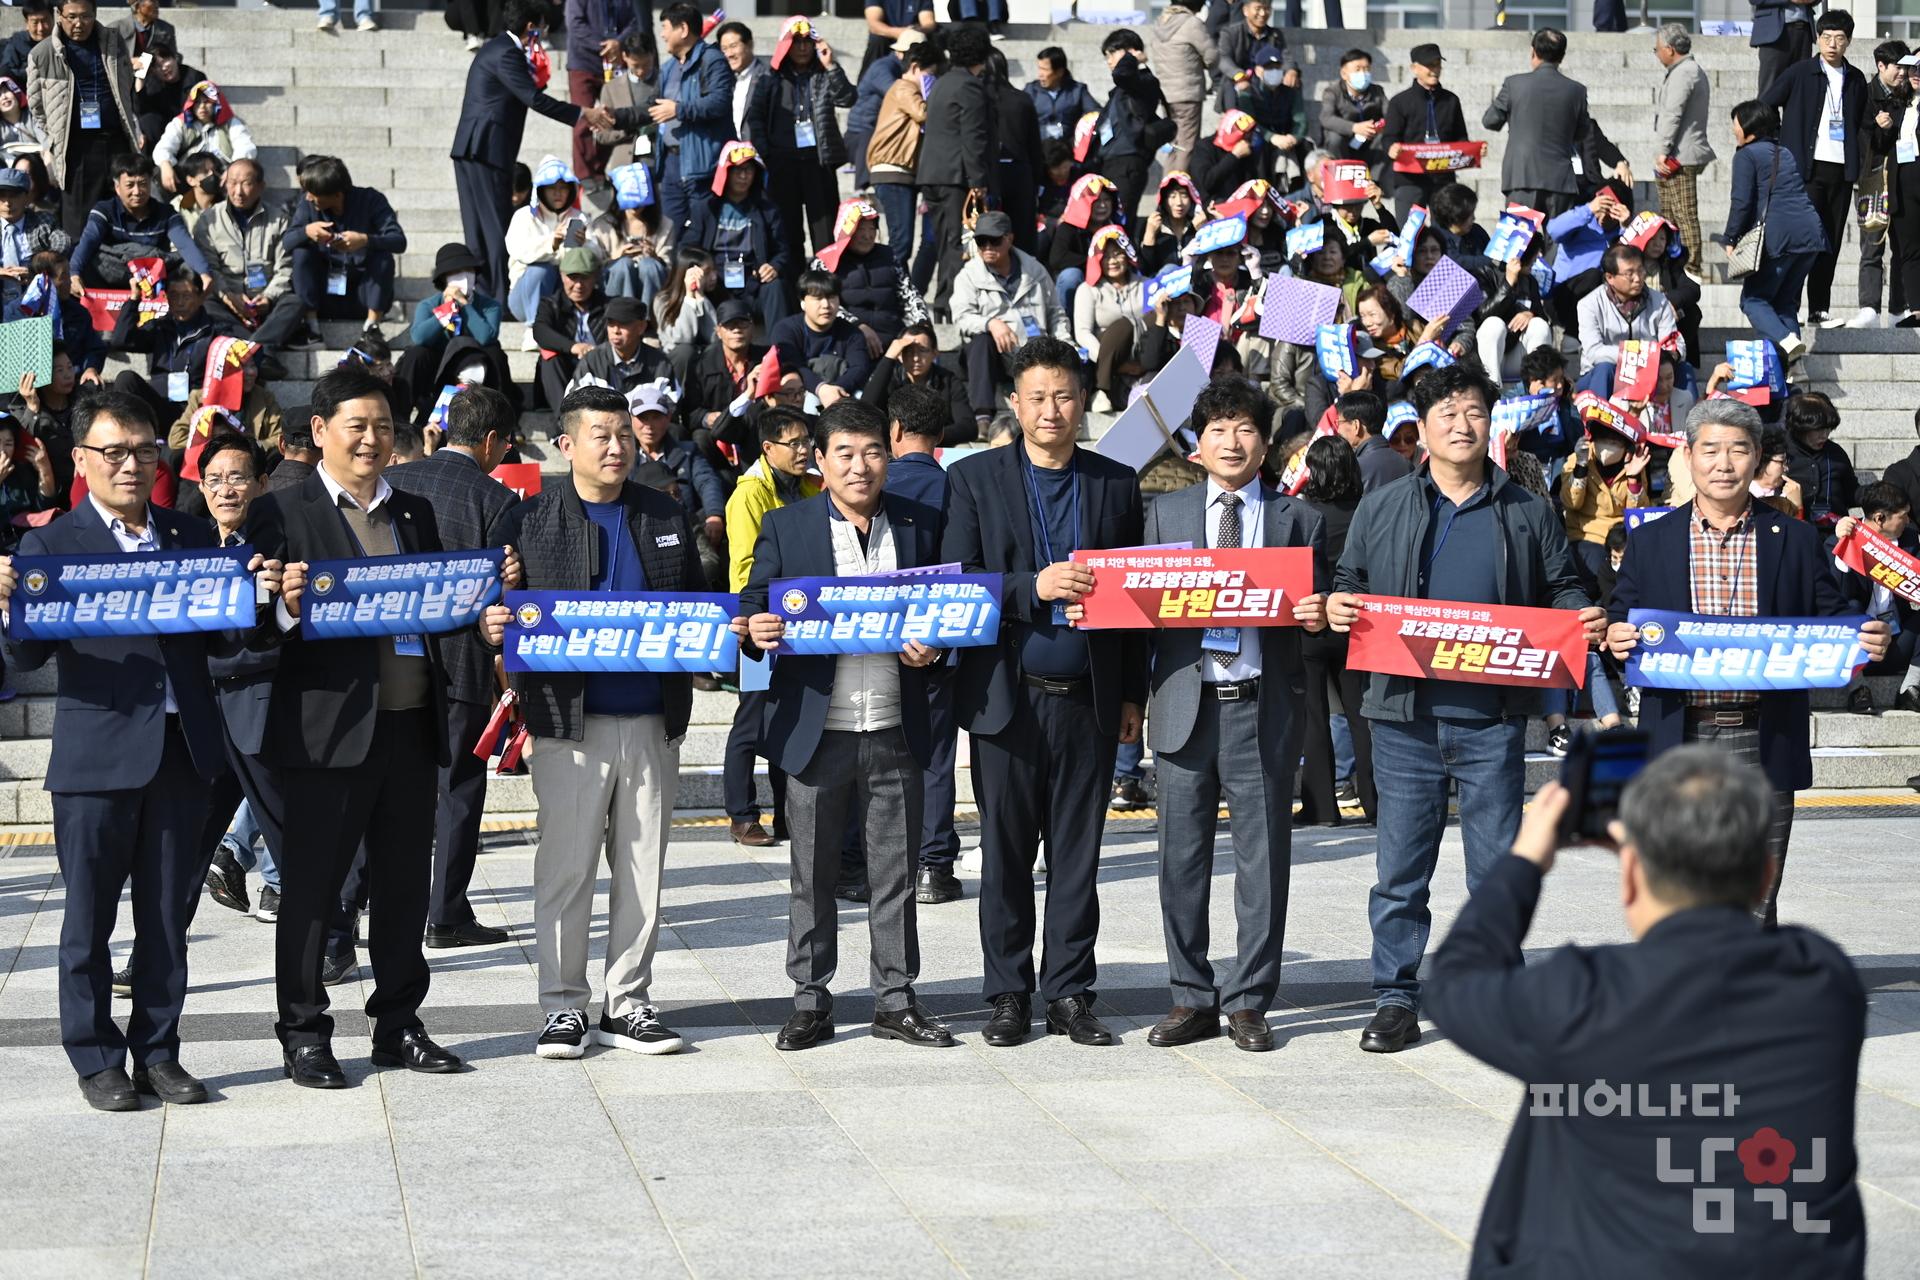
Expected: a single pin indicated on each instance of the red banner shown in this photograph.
(1476, 643)
(1136, 587)
(104, 306)
(1439, 157)
(1344, 181)
(1874, 558)
(521, 477)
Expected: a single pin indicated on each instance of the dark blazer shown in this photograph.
(957, 147)
(1707, 996)
(1800, 93)
(1548, 113)
(559, 553)
(473, 511)
(493, 113)
(325, 692)
(796, 542)
(109, 710)
(1770, 21)
(989, 531)
(1795, 581)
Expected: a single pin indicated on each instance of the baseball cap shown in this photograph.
(625, 310)
(579, 261)
(1426, 55)
(1269, 57)
(650, 397)
(732, 310)
(15, 180)
(992, 225)
(906, 40)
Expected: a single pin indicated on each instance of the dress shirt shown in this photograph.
(131, 542)
(866, 686)
(1244, 665)
(381, 492)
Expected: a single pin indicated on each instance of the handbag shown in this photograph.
(1745, 258)
(1870, 202)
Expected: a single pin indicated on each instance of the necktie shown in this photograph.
(1223, 643)
(1229, 521)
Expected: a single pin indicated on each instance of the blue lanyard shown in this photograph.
(1040, 506)
(1426, 570)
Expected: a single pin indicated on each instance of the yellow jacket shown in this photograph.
(259, 410)
(1593, 505)
(752, 498)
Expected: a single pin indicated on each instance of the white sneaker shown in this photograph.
(1834, 320)
(473, 43)
(564, 1036)
(326, 24)
(367, 24)
(1865, 318)
(1794, 347)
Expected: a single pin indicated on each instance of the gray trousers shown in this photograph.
(1226, 754)
(1744, 745)
(876, 772)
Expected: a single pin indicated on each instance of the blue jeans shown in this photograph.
(1598, 380)
(898, 203)
(361, 9)
(1127, 761)
(534, 284)
(1770, 297)
(242, 838)
(1342, 747)
(635, 278)
(678, 195)
(1599, 689)
(1412, 765)
(1065, 283)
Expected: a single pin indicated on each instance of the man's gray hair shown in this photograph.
(1700, 819)
(1723, 413)
(1311, 165)
(1675, 36)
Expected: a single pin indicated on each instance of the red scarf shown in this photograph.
(537, 61)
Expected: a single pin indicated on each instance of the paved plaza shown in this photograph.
(862, 1157)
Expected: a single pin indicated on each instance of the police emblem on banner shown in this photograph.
(528, 615)
(1652, 633)
(322, 584)
(35, 582)
(793, 602)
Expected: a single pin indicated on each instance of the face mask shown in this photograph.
(1271, 77)
(1608, 452)
(1360, 81)
(474, 375)
(463, 281)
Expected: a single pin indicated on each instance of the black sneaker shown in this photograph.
(856, 892)
(564, 1036)
(937, 884)
(1559, 738)
(640, 1031)
(1347, 792)
(1131, 793)
(227, 883)
(1860, 701)
(268, 909)
(337, 969)
(123, 982)
(1907, 700)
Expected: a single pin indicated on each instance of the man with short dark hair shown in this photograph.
(298, 456)
(1548, 112)
(827, 348)
(1757, 1026)
(1361, 419)
(1353, 113)
(1424, 111)
(344, 241)
(1619, 309)
(1058, 98)
(131, 224)
(1888, 96)
(474, 511)
(694, 111)
(36, 24)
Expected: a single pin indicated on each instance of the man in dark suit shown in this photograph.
(1549, 116)
(1730, 556)
(297, 454)
(1028, 701)
(1708, 1033)
(1424, 111)
(1019, 171)
(473, 511)
(1783, 33)
(849, 730)
(486, 141)
(1223, 720)
(136, 740)
(957, 147)
(355, 732)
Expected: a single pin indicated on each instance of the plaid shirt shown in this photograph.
(1725, 571)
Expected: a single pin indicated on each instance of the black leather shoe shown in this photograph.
(470, 934)
(912, 1025)
(1393, 1028)
(1907, 700)
(1250, 1031)
(937, 884)
(313, 1066)
(336, 969)
(169, 1082)
(109, 1090)
(123, 982)
(416, 1051)
(805, 1029)
(853, 892)
(1073, 1018)
(1184, 1025)
(1860, 701)
(1012, 1020)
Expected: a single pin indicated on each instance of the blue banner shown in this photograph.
(1637, 516)
(621, 631)
(880, 614)
(399, 595)
(1695, 652)
(143, 594)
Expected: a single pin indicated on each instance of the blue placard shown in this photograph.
(1510, 239)
(138, 594)
(1637, 516)
(1694, 652)
(1308, 237)
(398, 595)
(1338, 354)
(1171, 283)
(1221, 233)
(1426, 353)
(1755, 363)
(1399, 413)
(1515, 414)
(621, 631)
(880, 614)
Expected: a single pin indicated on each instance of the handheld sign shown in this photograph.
(662, 631)
(149, 593)
(400, 596)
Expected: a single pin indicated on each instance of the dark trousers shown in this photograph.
(1794, 45)
(1551, 203)
(1129, 174)
(939, 842)
(1116, 349)
(1744, 744)
(1016, 198)
(102, 840)
(947, 204)
(463, 800)
(736, 769)
(89, 152)
(1045, 775)
(1325, 659)
(221, 800)
(898, 204)
(1877, 250)
(164, 410)
(1905, 232)
(985, 370)
(1609, 15)
(1832, 197)
(261, 789)
(387, 800)
(486, 202)
(1410, 189)
(806, 192)
(369, 284)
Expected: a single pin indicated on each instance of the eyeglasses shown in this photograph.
(116, 456)
(235, 482)
(799, 444)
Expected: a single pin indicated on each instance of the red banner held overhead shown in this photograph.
(1874, 558)
(1476, 643)
(1345, 181)
(1439, 157)
(1137, 587)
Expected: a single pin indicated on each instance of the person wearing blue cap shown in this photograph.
(23, 233)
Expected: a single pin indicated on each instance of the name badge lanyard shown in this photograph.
(1426, 569)
(1046, 534)
(410, 645)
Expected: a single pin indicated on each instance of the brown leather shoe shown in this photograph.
(1249, 1030)
(751, 834)
(1184, 1025)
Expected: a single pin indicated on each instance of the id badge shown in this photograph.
(336, 282)
(1836, 128)
(177, 388)
(410, 646)
(1906, 151)
(1060, 618)
(89, 114)
(802, 133)
(1053, 129)
(1224, 641)
(256, 276)
(1032, 326)
(734, 273)
(1106, 133)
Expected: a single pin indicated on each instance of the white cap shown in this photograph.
(651, 397)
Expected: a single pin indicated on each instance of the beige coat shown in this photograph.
(896, 134)
(50, 93)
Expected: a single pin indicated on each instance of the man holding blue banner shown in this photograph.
(1730, 557)
(136, 740)
(850, 730)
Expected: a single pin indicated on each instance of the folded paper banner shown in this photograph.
(1597, 411)
(1344, 181)
(1510, 238)
(1138, 435)
(1758, 378)
(1698, 653)
(1292, 309)
(1636, 370)
(1136, 587)
(598, 631)
(1424, 354)
(1474, 643)
(1449, 290)
(152, 593)
(1221, 233)
(1880, 561)
(1171, 283)
(1337, 351)
(1306, 239)
(1439, 157)
(1202, 337)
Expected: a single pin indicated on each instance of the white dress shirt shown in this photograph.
(866, 686)
(130, 543)
(1244, 665)
(381, 492)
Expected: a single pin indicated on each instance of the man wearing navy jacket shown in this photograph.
(1728, 556)
(849, 730)
(136, 740)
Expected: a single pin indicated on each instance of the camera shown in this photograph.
(1598, 767)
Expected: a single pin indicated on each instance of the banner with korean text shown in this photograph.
(399, 595)
(1136, 587)
(600, 631)
(879, 614)
(1716, 654)
(150, 593)
(1476, 643)
(1873, 557)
